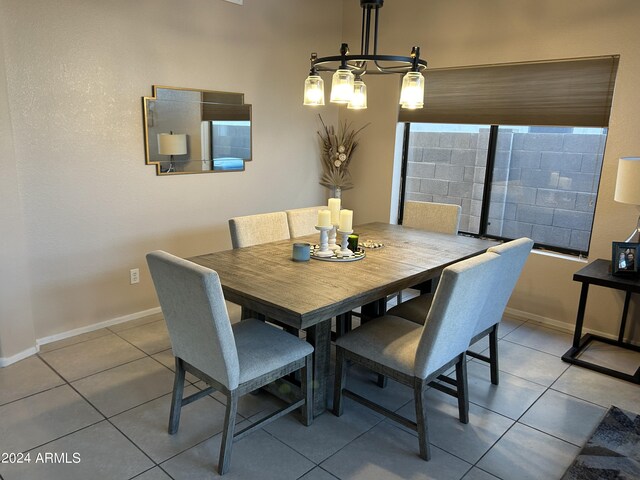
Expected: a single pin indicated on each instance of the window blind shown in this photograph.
(575, 92)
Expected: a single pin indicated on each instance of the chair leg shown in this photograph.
(227, 432)
(306, 385)
(341, 377)
(176, 397)
(462, 388)
(421, 418)
(493, 355)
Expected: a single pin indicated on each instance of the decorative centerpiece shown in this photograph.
(329, 227)
(336, 150)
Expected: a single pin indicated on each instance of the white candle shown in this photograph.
(346, 220)
(324, 218)
(334, 206)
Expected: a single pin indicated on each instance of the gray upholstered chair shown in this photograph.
(513, 256)
(303, 221)
(434, 217)
(256, 229)
(415, 354)
(232, 359)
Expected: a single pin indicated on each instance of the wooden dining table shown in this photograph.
(307, 295)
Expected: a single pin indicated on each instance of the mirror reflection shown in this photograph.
(196, 131)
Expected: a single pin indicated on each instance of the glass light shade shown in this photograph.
(412, 93)
(628, 181)
(342, 86)
(359, 98)
(314, 90)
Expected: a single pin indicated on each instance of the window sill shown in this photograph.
(562, 256)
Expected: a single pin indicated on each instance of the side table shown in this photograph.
(599, 273)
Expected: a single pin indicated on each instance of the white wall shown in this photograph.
(79, 205)
(16, 321)
(469, 32)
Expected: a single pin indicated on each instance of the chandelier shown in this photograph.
(347, 86)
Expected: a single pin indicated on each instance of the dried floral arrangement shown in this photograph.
(336, 150)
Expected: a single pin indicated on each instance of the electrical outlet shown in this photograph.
(134, 276)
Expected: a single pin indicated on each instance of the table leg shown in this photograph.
(580, 317)
(623, 321)
(427, 287)
(344, 324)
(373, 309)
(319, 336)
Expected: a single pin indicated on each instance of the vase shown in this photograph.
(337, 192)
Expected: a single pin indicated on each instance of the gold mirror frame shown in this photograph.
(210, 130)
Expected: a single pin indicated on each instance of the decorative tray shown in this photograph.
(358, 255)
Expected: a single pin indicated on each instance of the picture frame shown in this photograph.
(624, 258)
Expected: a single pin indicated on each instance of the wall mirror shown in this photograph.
(196, 131)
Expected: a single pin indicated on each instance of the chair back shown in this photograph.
(454, 313)
(193, 306)
(256, 229)
(513, 256)
(434, 217)
(303, 221)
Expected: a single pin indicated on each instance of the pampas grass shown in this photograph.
(336, 150)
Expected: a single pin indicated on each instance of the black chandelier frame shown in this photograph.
(358, 64)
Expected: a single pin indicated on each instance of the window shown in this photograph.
(511, 181)
(519, 146)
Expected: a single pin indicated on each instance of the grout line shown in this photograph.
(100, 413)
(377, 421)
(124, 328)
(98, 372)
(518, 422)
(393, 424)
(50, 349)
(190, 384)
(313, 468)
(192, 447)
(34, 394)
(66, 383)
(136, 346)
(147, 471)
(108, 419)
(162, 469)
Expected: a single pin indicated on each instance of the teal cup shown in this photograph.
(301, 252)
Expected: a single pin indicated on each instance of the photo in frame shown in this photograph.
(624, 258)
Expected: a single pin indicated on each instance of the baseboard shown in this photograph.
(96, 326)
(532, 317)
(558, 325)
(6, 361)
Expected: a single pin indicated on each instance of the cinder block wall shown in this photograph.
(544, 184)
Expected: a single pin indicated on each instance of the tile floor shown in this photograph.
(105, 397)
